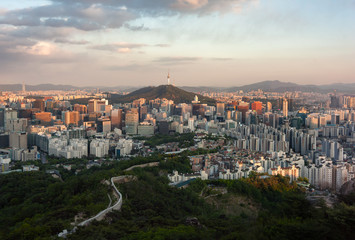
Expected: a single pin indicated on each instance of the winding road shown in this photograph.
(102, 214)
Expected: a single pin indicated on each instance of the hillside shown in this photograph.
(163, 91)
(36, 206)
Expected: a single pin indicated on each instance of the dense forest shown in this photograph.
(37, 206)
(184, 140)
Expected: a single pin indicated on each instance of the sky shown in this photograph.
(200, 42)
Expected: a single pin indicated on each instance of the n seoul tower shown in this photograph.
(168, 78)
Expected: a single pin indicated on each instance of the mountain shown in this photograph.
(339, 87)
(275, 86)
(40, 87)
(278, 86)
(163, 91)
(203, 89)
(51, 87)
(272, 86)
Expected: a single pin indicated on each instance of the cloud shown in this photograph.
(36, 35)
(189, 4)
(73, 42)
(167, 7)
(162, 45)
(121, 47)
(136, 28)
(40, 49)
(90, 15)
(177, 60)
(2, 11)
(222, 59)
(76, 14)
(129, 67)
(41, 32)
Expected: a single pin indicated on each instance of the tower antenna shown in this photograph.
(168, 77)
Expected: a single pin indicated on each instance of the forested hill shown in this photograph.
(164, 91)
(37, 206)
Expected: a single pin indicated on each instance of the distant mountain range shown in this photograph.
(273, 86)
(278, 86)
(49, 87)
(164, 91)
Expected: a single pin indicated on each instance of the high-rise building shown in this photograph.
(101, 105)
(351, 102)
(163, 127)
(18, 140)
(116, 118)
(143, 111)
(322, 121)
(191, 125)
(146, 129)
(132, 121)
(335, 119)
(268, 107)
(96, 105)
(82, 109)
(4, 140)
(103, 125)
(2, 117)
(334, 101)
(92, 106)
(285, 108)
(16, 125)
(8, 114)
(138, 103)
(257, 107)
(228, 115)
(290, 104)
(71, 118)
(23, 88)
(220, 109)
(243, 107)
(199, 110)
(39, 104)
(44, 117)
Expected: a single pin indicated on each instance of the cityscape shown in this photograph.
(147, 143)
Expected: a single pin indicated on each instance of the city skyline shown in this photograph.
(209, 43)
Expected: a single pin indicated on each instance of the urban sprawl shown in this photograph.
(295, 134)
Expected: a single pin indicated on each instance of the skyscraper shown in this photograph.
(257, 107)
(92, 106)
(132, 121)
(334, 101)
(243, 107)
(116, 118)
(23, 88)
(70, 118)
(82, 109)
(103, 125)
(285, 108)
(39, 104)
(220, 109)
